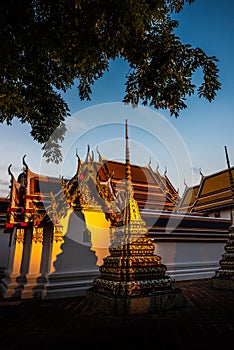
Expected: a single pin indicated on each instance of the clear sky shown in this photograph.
(193, 141)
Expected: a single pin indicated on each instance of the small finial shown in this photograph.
(23, 161)
(79, 161)
(149, 162)
(200, 172)
(99, 155)
(9, 171)
(88, 155)
(157, 167)
(92, 156)
(165, 171)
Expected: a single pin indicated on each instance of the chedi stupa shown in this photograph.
(132, 278)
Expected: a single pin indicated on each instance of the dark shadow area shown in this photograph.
(205, 323)
(76, 250)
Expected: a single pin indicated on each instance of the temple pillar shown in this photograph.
(31, 264)
(57, 240)
(46, 251)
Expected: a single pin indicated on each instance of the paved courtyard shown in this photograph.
(206, 322)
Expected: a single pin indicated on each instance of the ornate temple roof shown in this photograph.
(213, 193)
(93, 184)
(151, 190)
(103, 179)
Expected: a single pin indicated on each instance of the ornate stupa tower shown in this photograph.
(224, 276)
(132, 278)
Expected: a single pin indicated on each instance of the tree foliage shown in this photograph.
(47, 45)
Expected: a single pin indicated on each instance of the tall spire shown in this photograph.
(127, 155)
(231, 185)
(230, 173)
(131, 210)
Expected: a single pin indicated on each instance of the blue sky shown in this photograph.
(204, 128)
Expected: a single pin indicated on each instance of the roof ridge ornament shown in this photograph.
(88, 154)
(10, 172)
(100, 159)
(157, 167)
(91, 158)
(201, 172)
(79, 160)
(24, 163)
(149, 164)
(231, 185)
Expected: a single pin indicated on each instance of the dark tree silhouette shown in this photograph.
(47, 46)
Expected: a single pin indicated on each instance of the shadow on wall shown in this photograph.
(76, 252)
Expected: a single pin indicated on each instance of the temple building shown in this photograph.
(55, 232)
(211, 197)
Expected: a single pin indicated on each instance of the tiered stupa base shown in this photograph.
(224, 277)
(222, 283)
(120, 305)
(133, 279)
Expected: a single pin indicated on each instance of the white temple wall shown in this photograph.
(190, 260)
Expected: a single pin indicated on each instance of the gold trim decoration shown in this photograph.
(37, 236)
(58, 234)
(19, 235)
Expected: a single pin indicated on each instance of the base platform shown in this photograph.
(222, 283)
(142, 304)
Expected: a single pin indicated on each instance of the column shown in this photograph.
(32, 263)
